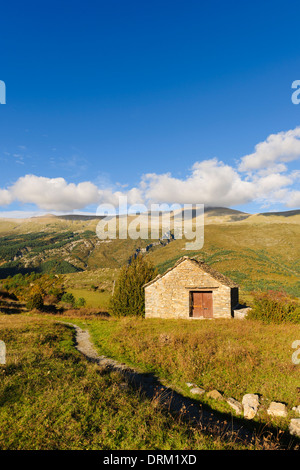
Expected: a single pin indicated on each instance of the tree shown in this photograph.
(129, 296)
(68, 299)
(35, 298)
(35, 302)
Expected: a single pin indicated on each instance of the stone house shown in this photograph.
(190, 289)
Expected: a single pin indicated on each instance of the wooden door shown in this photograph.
(202, 305)
(207, 304)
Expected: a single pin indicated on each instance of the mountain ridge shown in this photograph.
(210, 211)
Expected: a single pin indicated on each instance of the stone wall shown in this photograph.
(169, 296)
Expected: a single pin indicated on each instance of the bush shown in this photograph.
(68, 298)
(51, 300)
(81, 302)
(275, 307)
(129, 295)
(71, 302)
(35, 302)
(56, 294)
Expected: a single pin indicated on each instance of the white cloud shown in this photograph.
(267, 180)
(20, 214)
(266, 185)
(5, 197)
(211, 182)
(281, 147)
(54, 193)
(276, 168)
(214, 183)
(293, 201)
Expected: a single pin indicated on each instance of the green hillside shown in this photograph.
(257, 251)
(258, 256)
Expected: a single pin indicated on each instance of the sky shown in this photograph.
(178, 101)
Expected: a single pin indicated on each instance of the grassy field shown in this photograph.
(80, 285)
(52, 398)
(93, 299)
(233, 356)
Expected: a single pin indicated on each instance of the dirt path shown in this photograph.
(190, 410)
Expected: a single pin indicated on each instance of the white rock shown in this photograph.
(241, 313)
(250, 403)
(190, 384)
(236, 405)
(294, 427)
(197, 391)
(277, 409)
(297, 409)
(215, 394)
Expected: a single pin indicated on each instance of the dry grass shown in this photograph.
(52, 398)
(234, 356)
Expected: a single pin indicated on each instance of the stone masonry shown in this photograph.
(169, 295)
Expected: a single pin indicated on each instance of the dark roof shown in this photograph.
(201, 265)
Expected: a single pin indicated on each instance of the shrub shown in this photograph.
(56, 294)
(129, 296)
(68, 298)
(81, 302)
(51, 300)
(275, 307)
(35, 302)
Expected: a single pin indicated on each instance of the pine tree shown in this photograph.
(129, 296)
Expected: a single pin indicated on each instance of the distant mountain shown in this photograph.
(231, 214)
(210, 211)
(282, 214)
(220, 211)
(80, 217)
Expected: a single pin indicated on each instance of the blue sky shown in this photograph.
(158, 100)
